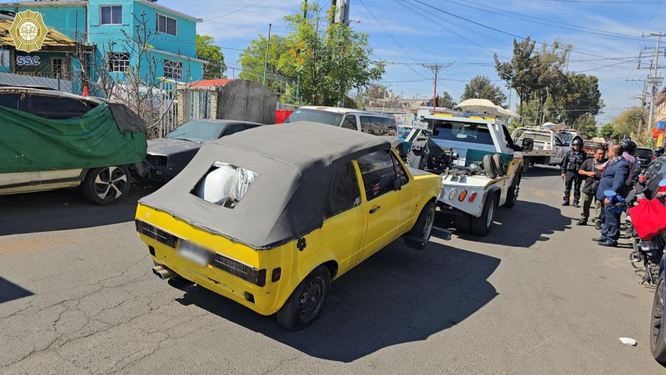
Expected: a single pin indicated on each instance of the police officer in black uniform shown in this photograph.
(569, 169)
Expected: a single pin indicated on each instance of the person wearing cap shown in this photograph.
(571, 164)
(629, 147)
(611, 186)
(591, 173)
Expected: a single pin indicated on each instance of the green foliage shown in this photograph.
(480, 87)
(375, 91)
(588, 131)
(626, 123)
(608, 131)
(545, 91)
(252, 61)
(332, 60)
(207, 50)
(445, 100)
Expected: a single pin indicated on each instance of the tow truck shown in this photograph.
(549, 149)
(474, 153)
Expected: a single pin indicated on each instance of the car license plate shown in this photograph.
(194, 253)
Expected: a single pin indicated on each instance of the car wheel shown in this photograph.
(499, 164)
(307, 300)
(463, 223)
(106, 185)
(657, 345)
(526, 166)
(418, 237)
(489, 166)
(481, 225)
(512, 194)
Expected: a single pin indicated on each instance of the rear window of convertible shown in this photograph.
(224, 184)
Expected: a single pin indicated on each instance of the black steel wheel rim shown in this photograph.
(311, 299)
(658, 313)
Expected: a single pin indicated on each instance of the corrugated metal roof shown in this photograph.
(54, 38)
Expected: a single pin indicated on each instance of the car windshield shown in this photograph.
(644, 153)
(461, 132)
(323, 117)
(197, 131)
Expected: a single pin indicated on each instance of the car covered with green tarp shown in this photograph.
(54, 140)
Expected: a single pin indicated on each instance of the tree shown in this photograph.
(445, 100)
(520, 73)
(626, 123)
(588, 131)
(480, 87)
(252, 61)
(331, 60)
(608, 131)
(375, 91)
(207, 50)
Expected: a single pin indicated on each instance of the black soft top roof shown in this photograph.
(286, 201)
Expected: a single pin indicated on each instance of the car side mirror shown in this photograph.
(397, 185)
(528, 144)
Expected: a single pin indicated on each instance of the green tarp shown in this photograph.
(30, 143)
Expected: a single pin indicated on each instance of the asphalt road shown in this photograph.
(535, 296)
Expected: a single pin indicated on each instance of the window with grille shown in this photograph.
(111, 15)
(119, 62)
(166, 25)
(61, 67)
(173, 69)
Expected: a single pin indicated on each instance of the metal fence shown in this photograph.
(57, 83)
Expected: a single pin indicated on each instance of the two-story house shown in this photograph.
(107, 28)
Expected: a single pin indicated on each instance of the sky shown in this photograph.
(606, 35)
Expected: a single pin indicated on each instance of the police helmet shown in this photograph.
(577, 142)
(658, 151)
(629, 146)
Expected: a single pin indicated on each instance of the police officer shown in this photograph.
(571, 164)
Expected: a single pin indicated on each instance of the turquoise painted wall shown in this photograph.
(65, 18)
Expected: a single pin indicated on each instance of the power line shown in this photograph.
(652, 16)
(392, 38)
(497, 30)
(568, 27)
(606, 66)
(236, 11)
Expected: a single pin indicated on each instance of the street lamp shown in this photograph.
(385, 90)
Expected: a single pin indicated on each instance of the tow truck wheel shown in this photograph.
(490, 167)
(481, 225)
(499, 165)
(526, 166)
(463, 223)
(512, 194)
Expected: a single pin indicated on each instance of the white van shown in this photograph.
(367, 122)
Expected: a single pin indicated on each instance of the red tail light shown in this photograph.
(472, 197)
(642, 179)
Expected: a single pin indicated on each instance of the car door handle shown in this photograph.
(375, 209)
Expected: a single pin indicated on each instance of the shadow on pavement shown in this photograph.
(63, 210)
(541, 171)
(523, 225)
(10, 291)
(397, 296)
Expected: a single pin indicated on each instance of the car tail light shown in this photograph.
(472, 197)
(462, 196)
(642, 179)
(277, 273)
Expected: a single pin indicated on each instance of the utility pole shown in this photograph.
(655, 81)
(435, 68)
(642, 99)
(268, 46)
(298, 81)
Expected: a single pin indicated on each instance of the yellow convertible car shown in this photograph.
(268, 217)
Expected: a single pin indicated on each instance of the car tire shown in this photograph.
(296, 313)
(500, 168)
(526, 166)
(657, 345)
(418, 237)
(481, 225)
(489, 166)
(512, 194)
(106, 185)
(463, 223)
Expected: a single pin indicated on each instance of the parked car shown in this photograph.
(374, 123)
(169, 155)
(644, 156)
(270, 227)
(52, 140)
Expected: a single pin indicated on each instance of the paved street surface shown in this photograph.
(535, 296)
